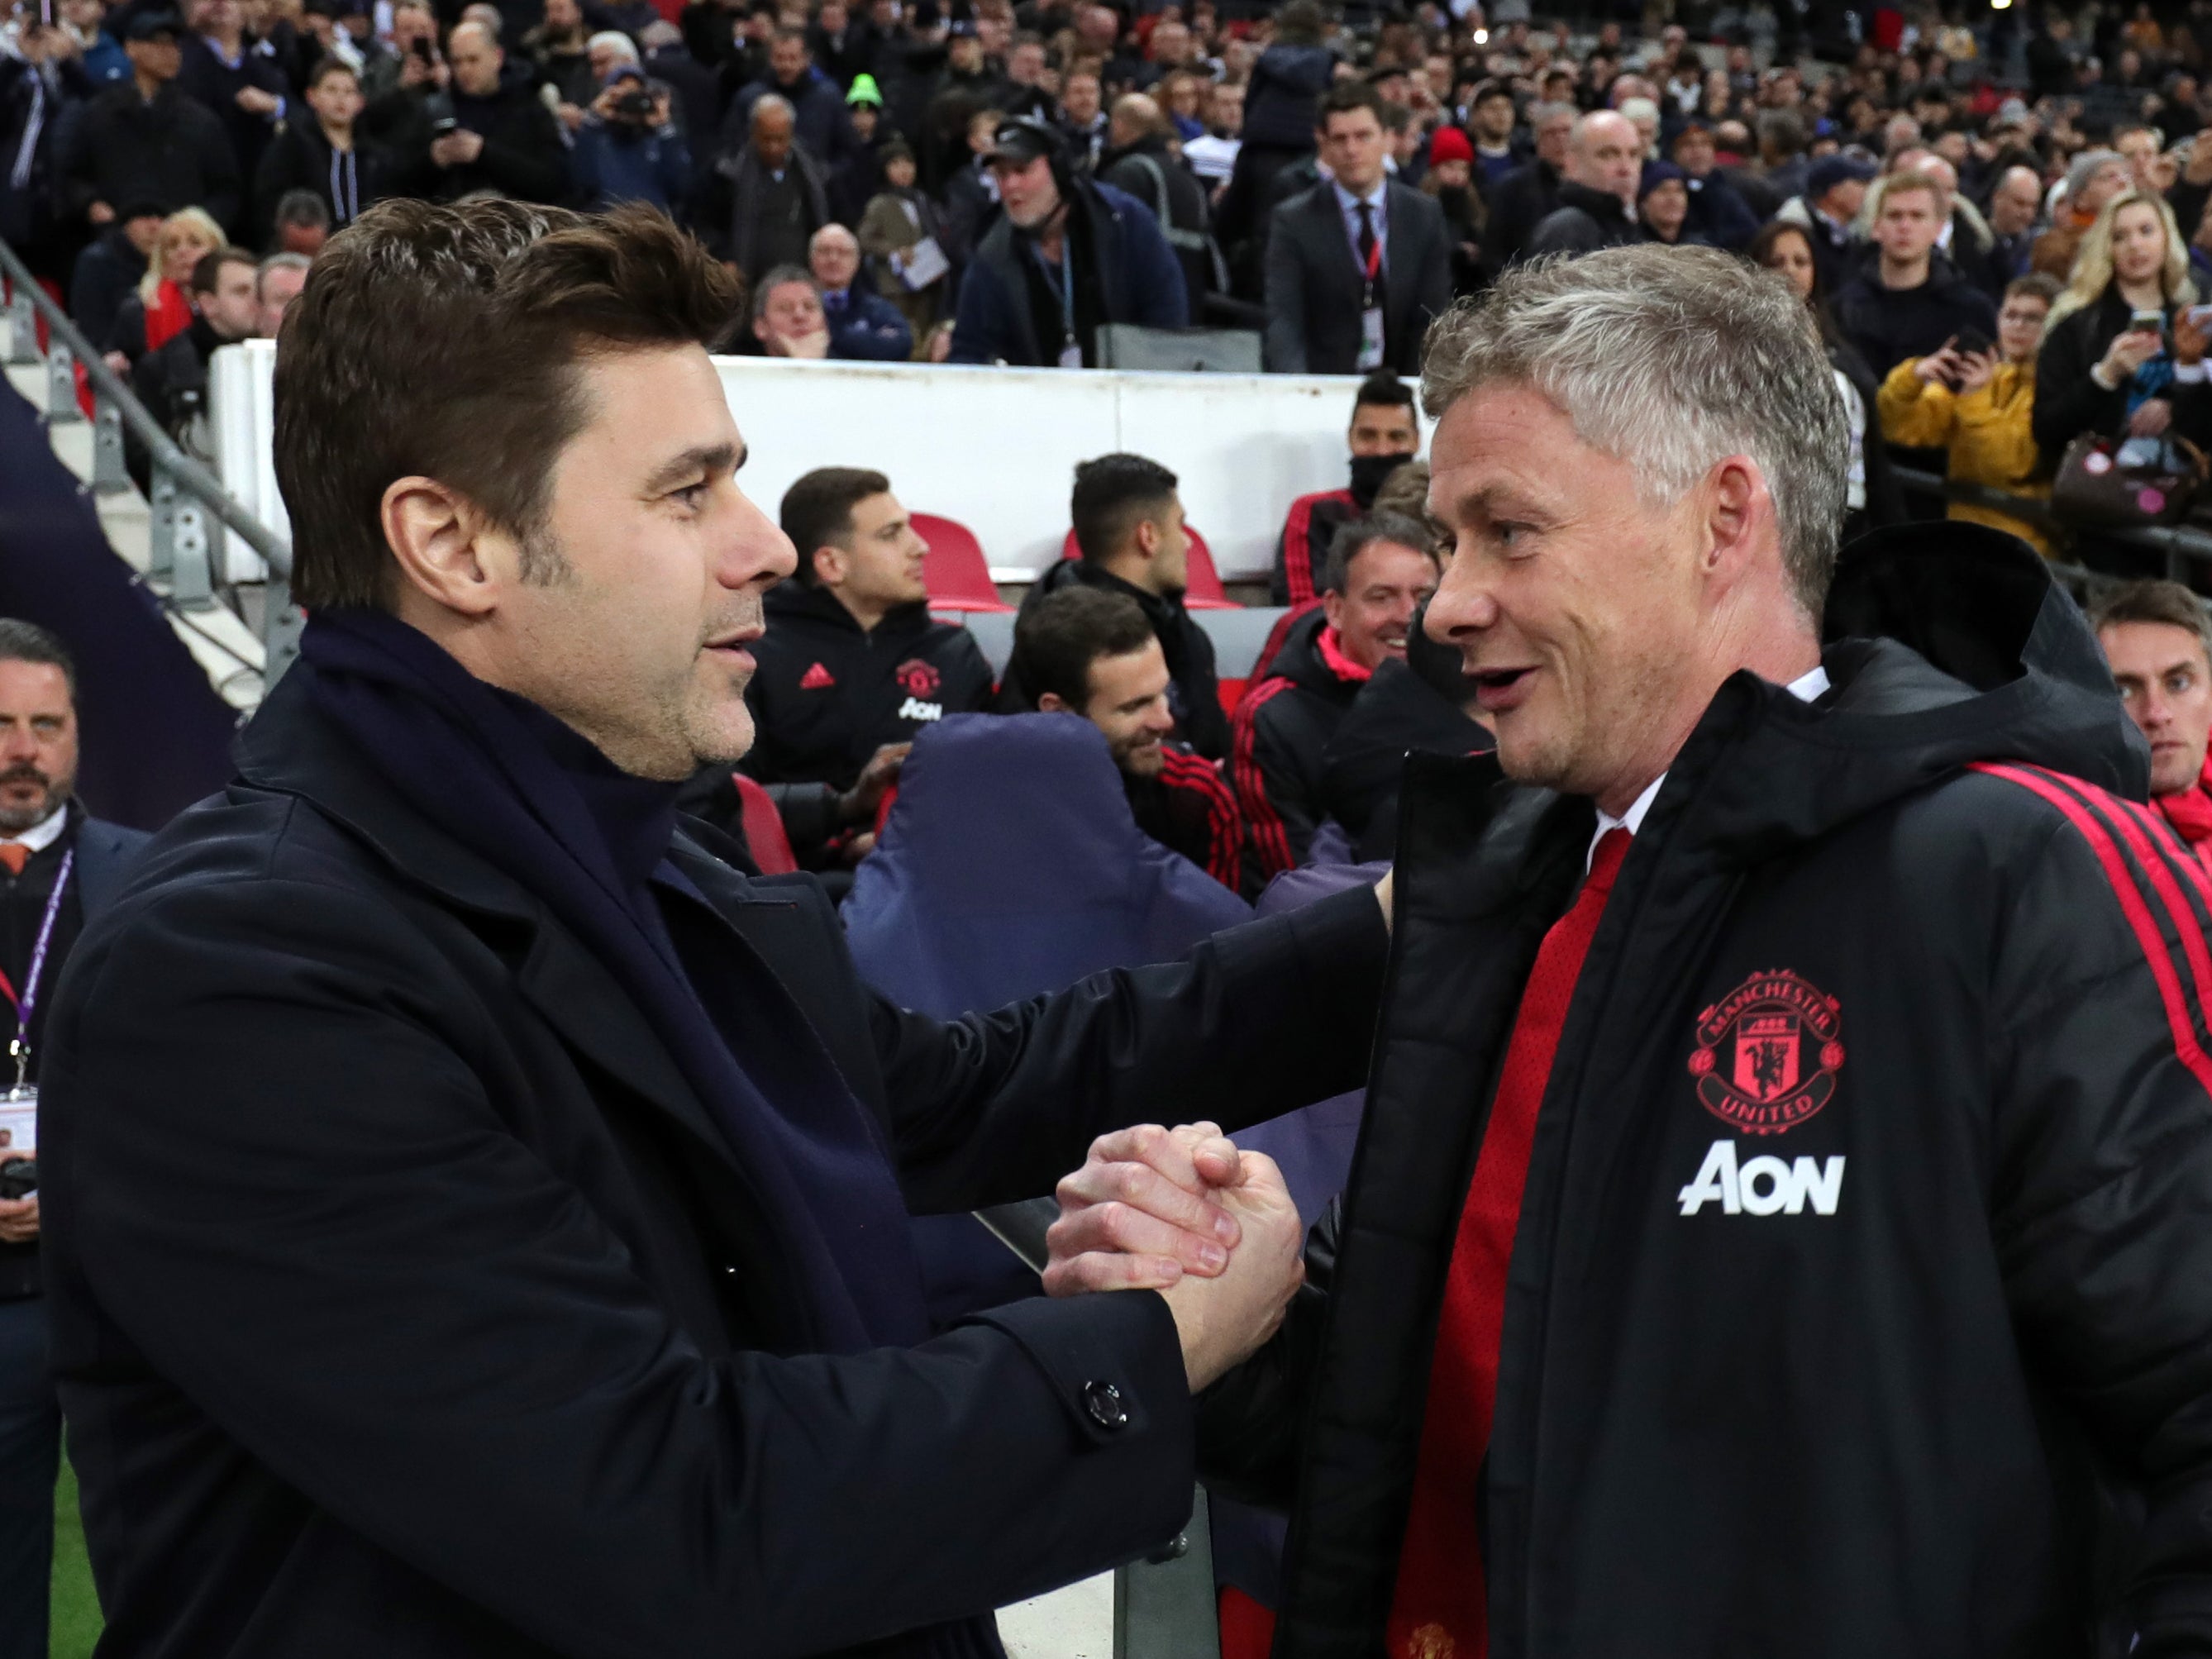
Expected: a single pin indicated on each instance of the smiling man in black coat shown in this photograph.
(477, 1211)
(1779, 1220)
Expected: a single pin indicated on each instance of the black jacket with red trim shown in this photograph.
(1189, 808)
(1302, 548)
(827, 695)
(1282, 731)
(1864, 1275)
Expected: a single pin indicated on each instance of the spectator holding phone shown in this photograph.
(1976, 398)
(2106, 365)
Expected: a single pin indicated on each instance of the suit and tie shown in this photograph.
(1320, 247)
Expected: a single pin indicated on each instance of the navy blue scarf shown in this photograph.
(537, 800)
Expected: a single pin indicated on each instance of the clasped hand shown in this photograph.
(1185, 1212)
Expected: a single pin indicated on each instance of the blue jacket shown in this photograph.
(1140, 281)
(1010, 866)
(613, 164)
(866, 327)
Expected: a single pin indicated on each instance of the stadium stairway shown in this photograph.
(160, 687)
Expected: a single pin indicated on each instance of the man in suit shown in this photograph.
(477, 1209)
(58, 868)
(1358, 265)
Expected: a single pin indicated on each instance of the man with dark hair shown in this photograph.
(495, 1195)
(58, 869)
(1383, 437)
(852, 660)
(108, 271)
(2154, 637)
(1129, 533)
(1085, 650)
(820, 125)
(1358, 265)
(302, 223)
(1381, 569)
(171, 380)
(144, 140)
(1065, 255)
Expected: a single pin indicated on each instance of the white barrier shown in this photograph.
(995, 448)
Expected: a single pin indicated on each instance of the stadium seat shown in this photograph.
(956, 573)
(1203, 590)
(763, 825)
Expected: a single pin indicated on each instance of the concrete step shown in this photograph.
(1074, 1623)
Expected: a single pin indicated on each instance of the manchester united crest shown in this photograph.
(1768, 1052)
(917, 679)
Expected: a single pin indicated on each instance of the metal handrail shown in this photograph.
(2177, 543)
(190, 474)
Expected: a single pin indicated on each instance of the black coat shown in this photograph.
(1195, 689)
(1150, 171)
(171, 150)
(827, 695)
(107, 273)
(1519, 202)
(1585, 221)
(523, 155)
(216, 84)
(1888, 325)
(1869, 1413)
(2069, 403)
(404, 1296)
(301, 158)
(1282, 727)
(1315, 285)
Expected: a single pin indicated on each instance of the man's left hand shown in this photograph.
(254, 101)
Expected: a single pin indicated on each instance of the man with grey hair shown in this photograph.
(1597, 195)
(277, 281)
(765, 201)
(1528, 195)
(1778, 1226)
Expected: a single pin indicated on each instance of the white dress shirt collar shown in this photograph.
(1806, 688)
(45, 833)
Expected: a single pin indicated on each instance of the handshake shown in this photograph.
(1184, 1212)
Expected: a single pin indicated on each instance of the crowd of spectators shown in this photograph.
(992, 182)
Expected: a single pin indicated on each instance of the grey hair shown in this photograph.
(617, 42)
(1539, 113)
(2085, 168)
(1672, 359)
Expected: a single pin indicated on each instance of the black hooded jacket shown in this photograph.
(1195, 694)
(827, 695)
(1866, 1366)
(1282, 727)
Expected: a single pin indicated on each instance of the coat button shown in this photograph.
(1103, 1402)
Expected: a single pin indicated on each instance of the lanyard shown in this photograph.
(1373, 266)
(1064, 286)
(21, 1047)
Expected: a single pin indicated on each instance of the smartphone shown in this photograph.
(46, 14)
(422, 49)
(2146, 322)
(2199, 316)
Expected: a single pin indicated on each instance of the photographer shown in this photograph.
(628, 149)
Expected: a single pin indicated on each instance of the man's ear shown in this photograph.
(1736, 503)
(1332, 609)
(830, 565)
(447, 551)
(1051, 703)
(1148, 538)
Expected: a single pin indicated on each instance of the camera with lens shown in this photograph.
(637, 101)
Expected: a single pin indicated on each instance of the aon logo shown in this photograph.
(913, 708)
(1765, 1186)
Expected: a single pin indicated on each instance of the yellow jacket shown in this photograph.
(1987, 432)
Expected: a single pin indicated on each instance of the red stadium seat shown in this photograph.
(764, 826)
(958, 575)
(1203, 590)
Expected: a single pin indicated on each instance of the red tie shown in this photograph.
(1440, 1611)
(14, 855)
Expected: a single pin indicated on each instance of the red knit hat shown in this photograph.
(1450, 145)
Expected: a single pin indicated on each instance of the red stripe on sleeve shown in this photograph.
(1269, 839)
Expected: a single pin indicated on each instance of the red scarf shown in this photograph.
(170, 315)
(2189, 812)
(1330, 644)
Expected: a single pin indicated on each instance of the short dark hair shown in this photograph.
(207, 273)
(326, 67)
(1355, 537)
(2166, 602)
(302, 208)
(2036, 285)
(1346, 96)
(1112, 494)
(817, 510)
(26, 642)
(1058, 637)
(506, 300)
(1383, 390)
